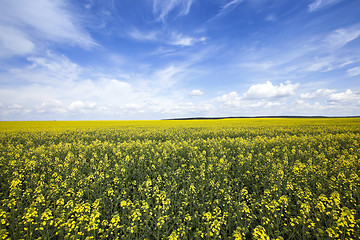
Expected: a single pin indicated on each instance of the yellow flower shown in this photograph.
(173, 236)
(260, 233)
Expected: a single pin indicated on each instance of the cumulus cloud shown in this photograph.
(310, 108)
(230, 99)
(82, 106)
(57, 107)
(317, 94)
(347, 97)
(232, 104)
(352, 72)
(196, 92)
(268, 90)
(259, 96)
(54, 87)
(24, 23)
(319, 4)
(54, 84)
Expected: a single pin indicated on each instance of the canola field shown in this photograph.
(203, 179)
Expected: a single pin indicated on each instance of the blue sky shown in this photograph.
(154, 59)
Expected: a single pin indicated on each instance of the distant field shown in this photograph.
(194, 179)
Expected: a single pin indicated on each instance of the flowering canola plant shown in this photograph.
(201, 179)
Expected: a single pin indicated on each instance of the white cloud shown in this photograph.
(162, 8)
(321, 52)
(230, 99)
(51, 106)
(320, 64)
(259, 96)
(165, 78)
(14, 42)
(347, 97)
(26, 23)
(268, 90)
(310, 64)
(57, 88)
(226, 8)
(232, 104)
(231, 4)
(56, 64)
(317, 94)
(184, 41)
(196, 92)
(82, 106)
(180, 40)
(172, 38)
(264, 104)
(319, 4)
(352, 72)
(341, 37)
(141, 36)
(56, 77)
(48, 69)
(306, 108)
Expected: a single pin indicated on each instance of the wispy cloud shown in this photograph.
(319, 52)
(14, 42)
(324, 64)
(226, 8)
(166, 77)
(170, 37)
(141, 36)
(180, 40)
(352, 72)
(319, 4)
(49, 69)
(229, 6)
(162, 8)
(341, 37)
(25, 23)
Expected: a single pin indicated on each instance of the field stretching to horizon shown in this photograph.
(197, 179)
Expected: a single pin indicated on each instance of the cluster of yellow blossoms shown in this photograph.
(211, 179)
